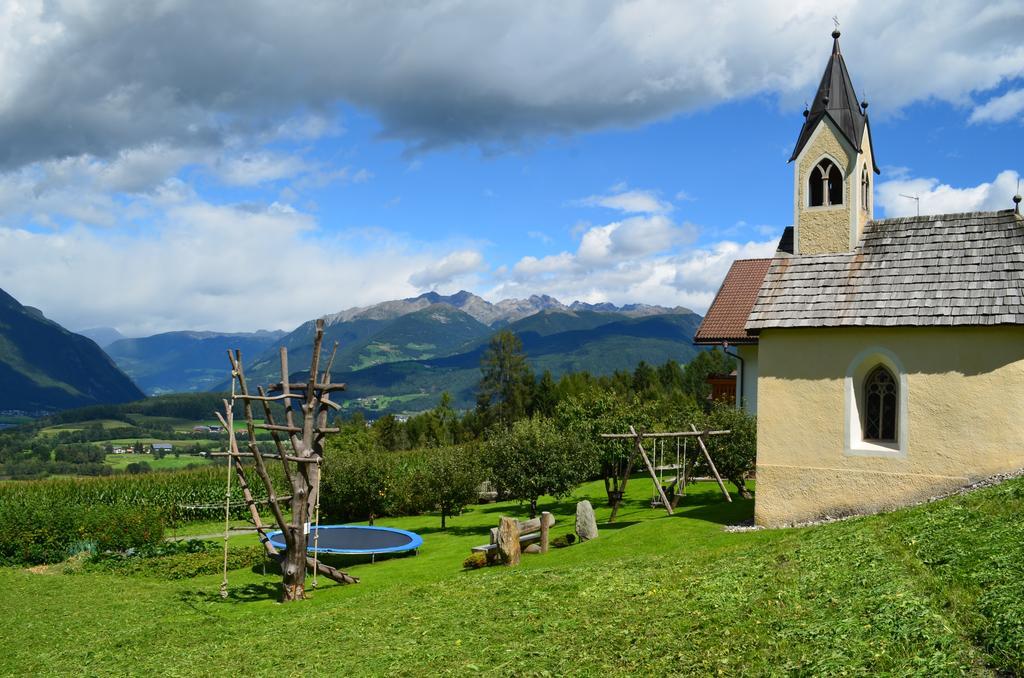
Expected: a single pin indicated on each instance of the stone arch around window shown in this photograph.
(876, 397)
(825, 184)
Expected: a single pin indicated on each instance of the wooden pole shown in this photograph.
(675, 434)
(545, 525)
(622, 489)
(707, 455)
(650, 469)
(508, 541)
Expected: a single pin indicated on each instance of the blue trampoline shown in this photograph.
(356, 540)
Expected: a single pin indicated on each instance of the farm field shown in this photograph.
(934, 590)
(105, 424)
(119, 462)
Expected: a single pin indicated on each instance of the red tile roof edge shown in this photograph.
(727, 316)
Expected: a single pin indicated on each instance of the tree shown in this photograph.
(696, 373)
(645, 379)
(533, 458)
(586, 416)
(734, 454)
(299, 441)
(449, 479)
(506, 380)
(359, 480)
(545, 396)
(391, 433)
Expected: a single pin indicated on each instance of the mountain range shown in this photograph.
(402, 354)
(396, 355)
(44, 367)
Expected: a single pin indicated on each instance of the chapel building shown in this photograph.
(884, 358)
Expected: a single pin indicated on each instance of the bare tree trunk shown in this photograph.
(533, 507)
(306, 442)
(741, 487)
(293, 567)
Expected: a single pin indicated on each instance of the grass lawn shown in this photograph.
(936, 590)
(120, 461)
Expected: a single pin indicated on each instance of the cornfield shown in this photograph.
(181, 496)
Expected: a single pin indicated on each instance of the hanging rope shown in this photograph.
(227, 492)
(227, 524)
(316, 525)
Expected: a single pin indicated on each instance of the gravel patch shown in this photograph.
(749, 526)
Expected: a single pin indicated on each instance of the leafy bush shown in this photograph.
(563, 541)
(361, 481)
(119, 528)
(35, 534)
(736, 453)
(475, 561)
(176, 560)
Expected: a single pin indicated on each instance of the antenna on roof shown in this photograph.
(835, 32)
(916, 198)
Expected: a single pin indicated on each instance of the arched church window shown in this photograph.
(880, 403)
(865, 188)
(825, 185)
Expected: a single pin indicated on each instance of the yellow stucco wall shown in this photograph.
(823, 229)
(964, 420)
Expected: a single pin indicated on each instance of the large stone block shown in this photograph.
(586, 523)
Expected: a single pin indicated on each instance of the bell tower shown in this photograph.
(834, 166)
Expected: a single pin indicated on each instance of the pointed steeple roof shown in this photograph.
(837, 100)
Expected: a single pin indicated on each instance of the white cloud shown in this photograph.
(1000, 109)
(204, 266)
(252, 169)
(676, 279)
(426, 71)
(940, 198)
(631, 202)
(454, 265)
(635, 236)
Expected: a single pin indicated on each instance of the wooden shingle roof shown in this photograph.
(950, 269)
(727, 317)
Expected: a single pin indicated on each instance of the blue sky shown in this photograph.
(155, 173)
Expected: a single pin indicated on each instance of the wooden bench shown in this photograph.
(529, 532)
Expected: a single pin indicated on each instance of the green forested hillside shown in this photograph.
(437, 330)
(44, 367)
(618, 345)
(184, 361)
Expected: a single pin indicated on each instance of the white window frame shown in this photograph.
(862, 365)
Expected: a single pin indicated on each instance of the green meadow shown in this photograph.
(933, 590)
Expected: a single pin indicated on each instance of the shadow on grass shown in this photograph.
(343, 560)
(618, 524)
(458, 531)
(720, 512)
(249, 593)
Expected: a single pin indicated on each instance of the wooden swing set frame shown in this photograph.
(638, 450)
